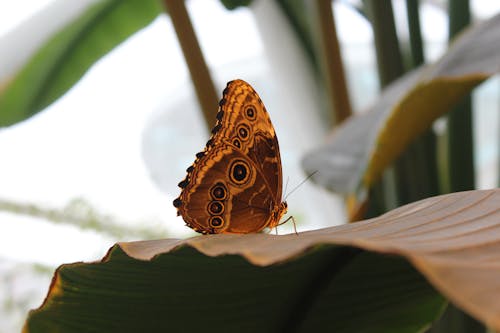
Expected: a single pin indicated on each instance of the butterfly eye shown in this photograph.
(239, 172)
(218, 192)
(216, 222)
(215, 208)
(250, 112)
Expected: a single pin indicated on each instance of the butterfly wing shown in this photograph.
(225, 194)
(235, 184)
(245, 123)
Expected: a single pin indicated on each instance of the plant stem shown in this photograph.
(416, 168)
(413, 15)
(390, 67)
(200, 75)
(460, 145)
(389, 61)
(331, 61)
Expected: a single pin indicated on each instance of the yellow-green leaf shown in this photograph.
(365, 145)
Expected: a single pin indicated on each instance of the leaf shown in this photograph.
(365, 145)
(60, 62)
(298, 13)
(233, 4)
(317, 280)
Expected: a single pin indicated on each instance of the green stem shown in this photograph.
(389, 60)
(390, 67)
(416, 169)
(460, 145)
(413, 15)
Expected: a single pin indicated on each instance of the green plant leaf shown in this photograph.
(365, 145)
(233, 4)
(65, 57)
(322, 280)
(298, 14)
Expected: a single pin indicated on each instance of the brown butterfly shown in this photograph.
(235, 183)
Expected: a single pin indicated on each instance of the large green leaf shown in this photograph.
(365, 145)
(187, 291)
(322, 280)
(60, 62)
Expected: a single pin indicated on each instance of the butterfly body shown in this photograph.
(235, 183)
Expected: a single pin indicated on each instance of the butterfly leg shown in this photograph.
(288, 219)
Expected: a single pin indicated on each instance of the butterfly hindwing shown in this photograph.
(225, 194)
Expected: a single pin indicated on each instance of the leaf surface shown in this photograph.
(349, 278)
(65, 57)
(360, 149)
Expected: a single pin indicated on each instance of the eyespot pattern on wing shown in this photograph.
(235, 183)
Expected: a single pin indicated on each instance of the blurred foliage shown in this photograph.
(68, 54)
(80, 213)
(233, 4)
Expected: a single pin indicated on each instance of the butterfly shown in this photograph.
(235, 183)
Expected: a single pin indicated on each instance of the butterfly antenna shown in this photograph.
(301, 183)
(286, 185)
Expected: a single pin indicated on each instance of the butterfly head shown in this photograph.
(284, 208)
(278, 213)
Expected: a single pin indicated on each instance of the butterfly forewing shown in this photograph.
(235, 184)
